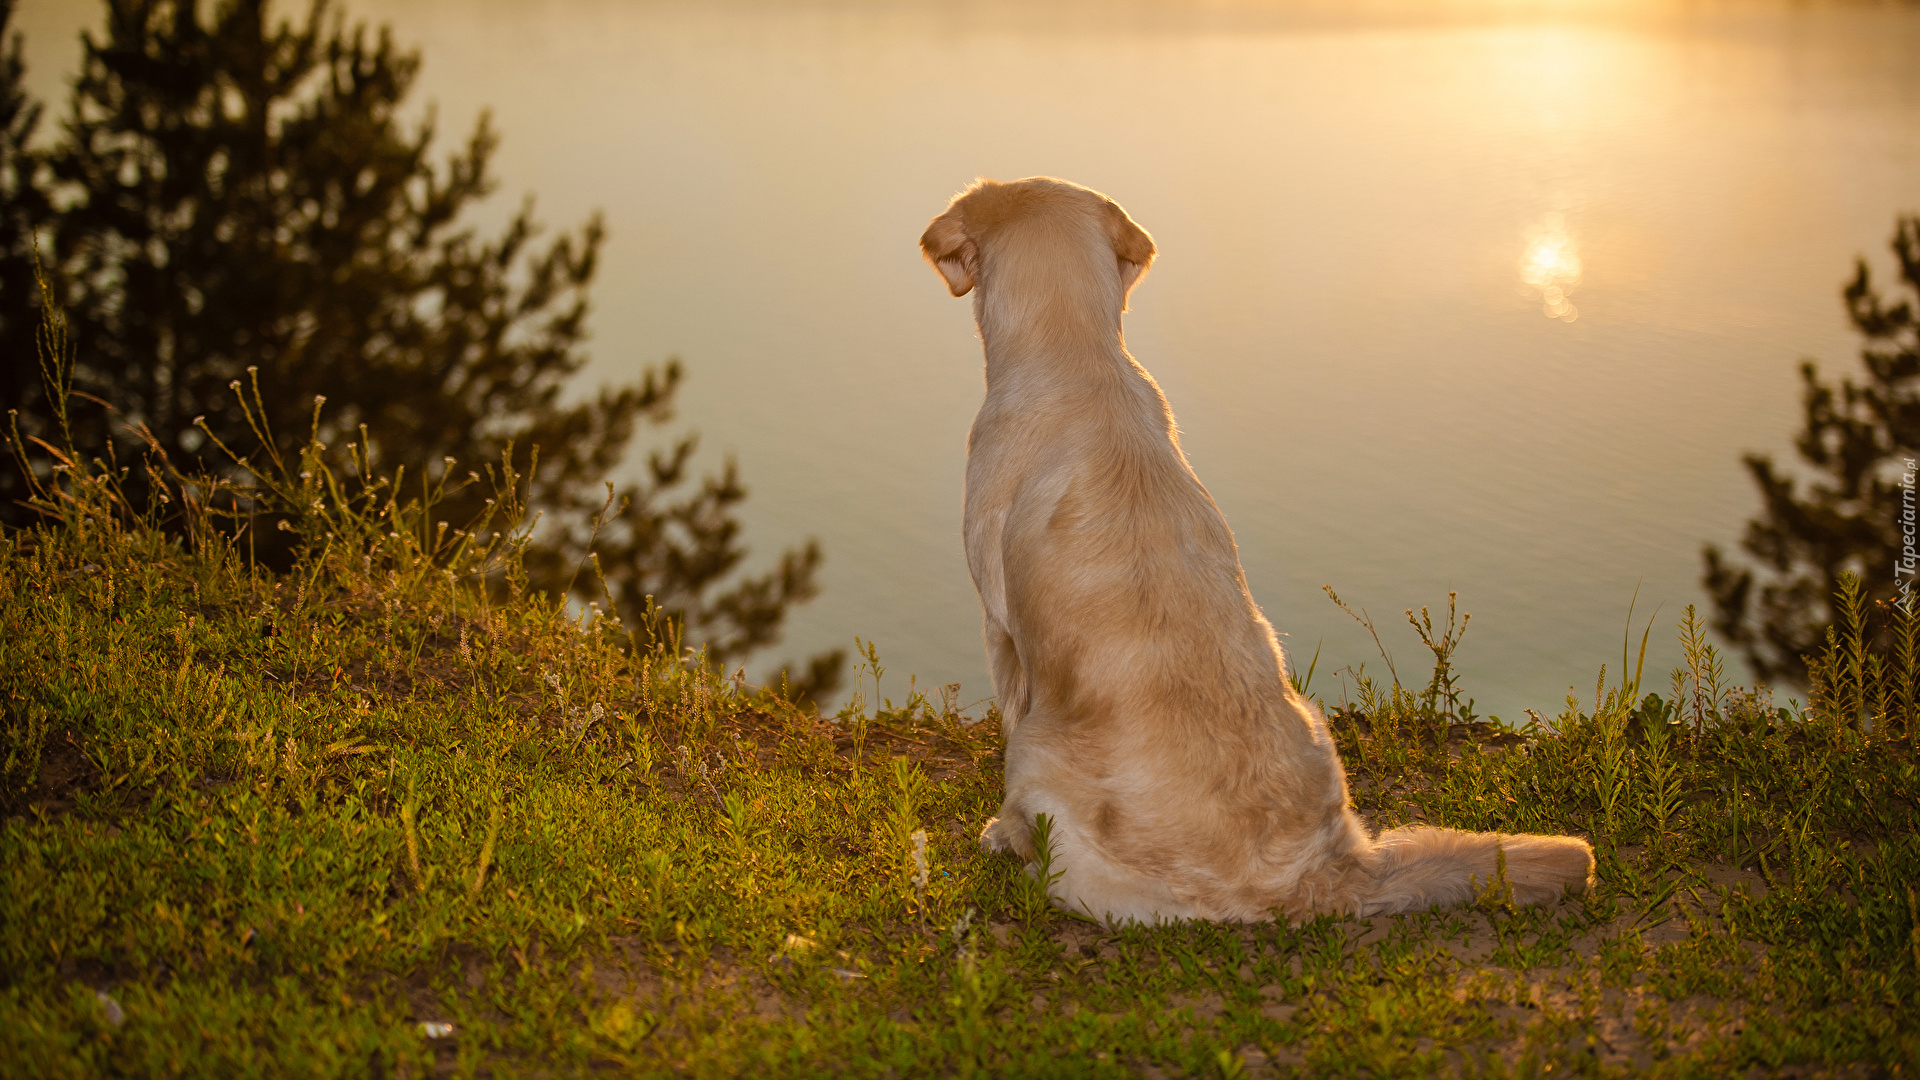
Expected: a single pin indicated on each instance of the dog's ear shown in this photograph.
(947, 246)
(1131, 245)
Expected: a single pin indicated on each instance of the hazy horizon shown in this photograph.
(1488, 296)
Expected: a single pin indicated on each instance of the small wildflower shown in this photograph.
(553, 681)
(962, 931)
(114, 1013)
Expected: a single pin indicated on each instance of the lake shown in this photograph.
(1487, 297)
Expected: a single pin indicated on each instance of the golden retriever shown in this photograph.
(1144, 698)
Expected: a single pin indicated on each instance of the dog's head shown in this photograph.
(989, 210)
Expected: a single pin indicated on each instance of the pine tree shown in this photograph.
(24, 209)
(1857, 441)
(240, 199)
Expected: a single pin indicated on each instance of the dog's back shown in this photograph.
(1145, 700)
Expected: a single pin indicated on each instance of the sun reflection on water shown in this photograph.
(1551, 266)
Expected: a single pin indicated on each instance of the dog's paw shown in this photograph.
(992, 840)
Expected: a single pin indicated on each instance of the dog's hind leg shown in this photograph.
(1088, 882)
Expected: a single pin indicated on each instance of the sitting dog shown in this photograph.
(1143, 697)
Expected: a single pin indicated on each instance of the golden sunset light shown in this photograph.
(960, 539)
(1551, 267)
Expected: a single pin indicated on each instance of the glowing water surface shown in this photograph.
(1489, 300)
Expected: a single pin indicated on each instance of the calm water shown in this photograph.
(1487, 301)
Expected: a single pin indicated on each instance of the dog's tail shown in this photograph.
(1417, 868)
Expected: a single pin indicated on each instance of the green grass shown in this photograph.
(272, 824)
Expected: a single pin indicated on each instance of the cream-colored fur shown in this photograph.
(1143, 696)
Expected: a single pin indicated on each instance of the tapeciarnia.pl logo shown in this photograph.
(1903, 567)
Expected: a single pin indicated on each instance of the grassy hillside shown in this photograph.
(387, 815)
